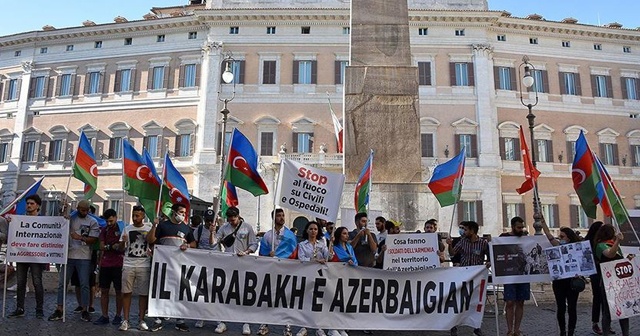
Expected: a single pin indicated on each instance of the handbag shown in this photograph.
(578, 284)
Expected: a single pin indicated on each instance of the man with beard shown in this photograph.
(515, 294)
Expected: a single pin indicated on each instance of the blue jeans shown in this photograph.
(83, 269)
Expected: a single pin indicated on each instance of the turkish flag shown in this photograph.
(530, 172)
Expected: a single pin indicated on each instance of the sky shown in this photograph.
(23, 16)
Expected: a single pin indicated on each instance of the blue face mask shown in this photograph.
(461, 232)
(562, 241)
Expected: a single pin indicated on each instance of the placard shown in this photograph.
(38, 239)
(408, 252)
(519, 259)
(621, 281)
(570, 260)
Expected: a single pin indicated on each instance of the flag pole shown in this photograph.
(370, 187)
(75, 158)
(223, 171)
(4, 288)
(164, 165)
(124, 192)
(273, 213)
(459, 191)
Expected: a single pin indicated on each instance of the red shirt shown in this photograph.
(109, 236)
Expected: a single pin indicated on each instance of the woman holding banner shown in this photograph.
(608, 249)
(342, 252)
(565, 295)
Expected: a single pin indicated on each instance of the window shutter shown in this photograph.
(616, 160)
(457, 144)
(516, 149)
(594, 86)
(563, 85)
(167, 75)
(160, 146)
(623, 85)
(241, 64)
(578, 84)
(602, 151)
(513, 78)
(150, 79)
(311, 143)
(135, 81)
(496, 78)
(479, 214)
(569, 151)
(51, 147)
(314, 72)
(48, 87)
(74, 90)
(296, 69)
(181, 77)
(505, 216)
(503, 154)
(198, 70)
(337, 72)
(23, 157)
(32, 87)
(556, 215)
(101, 81)
(219, 143)
(637, 86)
(192, 144)
(521, 211)
(145, 143)
(19, 88)
(607, 80)
(294, 143)
(474, 146)
(112, 148)
(460, 211)
(545, 81)
(427, 145)
(549, 144)
(633, 156)
(1, 89)
(87, 82)
(117, 86)
(470, 74)
(176, 149)
(452, 73)
(5, 95)
(424, 73)
(573, 215)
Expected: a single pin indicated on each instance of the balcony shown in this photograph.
(313, 159)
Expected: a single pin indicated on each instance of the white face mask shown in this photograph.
(179, 218)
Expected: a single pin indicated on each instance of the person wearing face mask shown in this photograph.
(565, 296)
(173, 232)
(472, 251)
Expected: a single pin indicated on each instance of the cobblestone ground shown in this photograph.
(539, 320)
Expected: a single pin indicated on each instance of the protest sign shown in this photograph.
(411, 252)
(38, 239)
(309, 190)
(631, 231)
(204, 285)
(621, 281)
(519, 259)
(570, 260)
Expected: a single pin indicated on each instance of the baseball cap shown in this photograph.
(396, 223)
(209, 215)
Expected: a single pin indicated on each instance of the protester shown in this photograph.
(236, 236)
(195, 221)
(596, 301)
(363, 241)
(565, 296)
(342, 252)
(110, 267)
(33, 209)
(315, 250)
(431, 226)
(204, 235)
(608, 249)
(472, 250)
(515, 294)
(173, 232)
(391, 227)
(83, 231)
(4, 231)
(136, 268)
(329, 232)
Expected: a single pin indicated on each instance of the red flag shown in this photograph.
(530, 172)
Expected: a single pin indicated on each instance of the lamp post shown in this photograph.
(227, 78)
(527, 81)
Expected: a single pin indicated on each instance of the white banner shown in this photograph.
(621, 281)
(519, 259)
(411, 252)
(309, 190)
(570, 260)
(38, 239)
(203, 285)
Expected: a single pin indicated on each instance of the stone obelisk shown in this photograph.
(381, 94)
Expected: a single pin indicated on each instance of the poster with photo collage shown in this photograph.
(570, 260)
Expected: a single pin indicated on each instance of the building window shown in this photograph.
(566, 44)
(65, 85)
(583, 220)
(184, 146)
(128, 41)
(234, 30)
(266, 143)
(630, 88)
(94, 82)
(190, 75)
(540, 81)
(227, 141)
(269, 72)
(17, 53)
(115, 148)
(157, 82)
(237, 69)
(505, 78)
(150, 143)
(424, 73)
(459, 32)
(123, 80)
(626, 49)
(69, 47)
(192, 35)
(502, 38)
(304, 72)
(426, 144)
(340, 67)
(4, 152)
(160, 38)
(601, 86)
(544, 151)
(30, 151)
(470, 211)
(570, 82)
(50, 208)
(44, 50)
(39, 87)
(305, 30)
(56, 150)
(302, 142)
(271, 30)
(115, 205)
(346, 30)
(510, 149)
(533, 40)
(423, 31)
(512, 210)
(97, 44)
(12, 89)
(550, 213)
(461, 73)
(635, 154)
(597, 46)
(467, 141)
(609, 153)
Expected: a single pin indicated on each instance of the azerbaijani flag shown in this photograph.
(85, 167)
(174, 187)
(287, 246)
(19, 205)
(585, 176)
(446, 180)
(139, 179)
(609, 196)
(363, 187)
(242, 165)
(229, 197)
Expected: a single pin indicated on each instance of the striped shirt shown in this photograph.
(472, 253)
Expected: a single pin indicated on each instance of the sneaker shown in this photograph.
(116, 320)
(343, 333)
(87, 318)
(287, 330)
(320, 332)
(56, 316)
(78, 310)
(182, 327)
(246, 330)
(157, 325)
(478, 332)
(333, 333)
(124, 326)
(102, 320)
(19, 312)
(13, 288)
(199, 324)
(142, 326)
(222, 327)
(302, 332)
(39, 313)
(91, 310)
(454, 331)
(263, 330)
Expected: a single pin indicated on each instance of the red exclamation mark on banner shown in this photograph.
(482, 283)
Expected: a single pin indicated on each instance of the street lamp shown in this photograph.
(528, 81)
(227, 78)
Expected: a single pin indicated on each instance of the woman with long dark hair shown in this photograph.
(342, 252)
(565, 296)
(596, 304)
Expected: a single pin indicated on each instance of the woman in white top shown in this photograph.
(312, 249)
